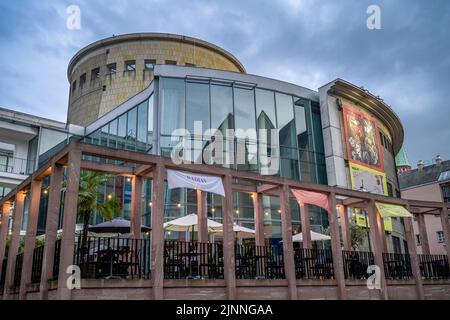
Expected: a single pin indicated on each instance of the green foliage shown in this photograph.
(358, 234)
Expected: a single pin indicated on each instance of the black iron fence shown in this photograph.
(433, 266)
(265, 262)
(356, 264)
(56, 257)
(313, 263)
(17, 272)
(397, 266)
(3, 275)
(36, 269)
(192, 260)
(113, 258)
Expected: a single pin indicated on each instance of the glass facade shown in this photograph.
(199, 105)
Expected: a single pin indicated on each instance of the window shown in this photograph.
(396, 244)
(389, 189)
(187, 64)
(112, 68)
(95, 74)
(130, 65)
(82, 80)
(149, 64)
(440, 236)
(418, 240)
(446, 192)
(74, 86)
(172, 105)
(171, 62)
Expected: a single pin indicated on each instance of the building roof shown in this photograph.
(427, 175)
(29, 119)
(401, 159)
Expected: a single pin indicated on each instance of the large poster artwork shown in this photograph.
(362, 139)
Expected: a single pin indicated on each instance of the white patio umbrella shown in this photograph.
(189, 223)
(315, 236)
(239, 231)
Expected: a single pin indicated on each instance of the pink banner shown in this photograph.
(311, 197)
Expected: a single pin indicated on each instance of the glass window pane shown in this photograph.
(265, 109)
(172, 105)
(142, 126)
(150, 125)
(131, 129)
(122, 131)
(113, 133)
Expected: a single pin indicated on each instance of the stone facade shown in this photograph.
(96, 95)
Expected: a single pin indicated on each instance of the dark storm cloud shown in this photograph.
(306, 42)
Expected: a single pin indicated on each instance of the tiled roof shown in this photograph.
(426, 175)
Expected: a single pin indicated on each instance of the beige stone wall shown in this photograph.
(99, 96)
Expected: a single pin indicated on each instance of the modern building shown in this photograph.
(430, 183)
(144, 100)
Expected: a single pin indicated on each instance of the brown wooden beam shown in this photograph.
(266, 187)
(109, 168)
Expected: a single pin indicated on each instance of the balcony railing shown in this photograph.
(36, 269)
(16, 165)
(434, 266)
(356, 263)
(113, 258)
(313, 263)
(397, 266)
(193, 260)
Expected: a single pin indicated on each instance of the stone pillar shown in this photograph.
(136, 207)
(4, 231)
(377, 246)
(306, 229)
(14, 246)
(345, 227)
(69, 222)
(338, 263)
(30, 237)
(382, 233)
(446, 229)
(202, 216)
(423, 233)
(228, 240)
(409, 234)
(288, 247)
(158, 232)
(258, 208)
(51, 229)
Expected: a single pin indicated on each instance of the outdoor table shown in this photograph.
(112, 253)
(190, 254)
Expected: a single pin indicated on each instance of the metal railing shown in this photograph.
(17, 272)
(16, 165)
(36, 268)
(265, 262)
(397, 266)
(56, 260)
(113, 258)
(356, 263)
(193, 260)
(313, 263)
(3, 275)
(433, 266)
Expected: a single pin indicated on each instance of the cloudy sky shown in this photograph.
(306, 42)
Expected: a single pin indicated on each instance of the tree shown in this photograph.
(358, 234)
(89, 194)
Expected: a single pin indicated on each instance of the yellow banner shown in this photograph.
(370, 180)
(392, 210)
(361, 221)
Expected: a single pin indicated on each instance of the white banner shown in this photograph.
(181, 179)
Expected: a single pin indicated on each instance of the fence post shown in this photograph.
(228, 240)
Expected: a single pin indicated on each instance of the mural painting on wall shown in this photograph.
(362, 139)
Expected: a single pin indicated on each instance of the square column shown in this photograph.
(345, 227)
(338, 263)
(158, 232)
(136, 207)
(229, 265)
(446, 229)
(377, 245)
(30, 238)
(409, 234)
(15, 240)
(288, 247)
(306, 228)
(69, 222)
(4, 231)
(51, 229)
(423, 233)
(202, 215)
(259, 218)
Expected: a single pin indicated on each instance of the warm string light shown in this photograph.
(179, 205)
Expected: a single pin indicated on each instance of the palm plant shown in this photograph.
(88, 200)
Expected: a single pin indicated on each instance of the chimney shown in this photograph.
(438, 159)
(420, 165)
